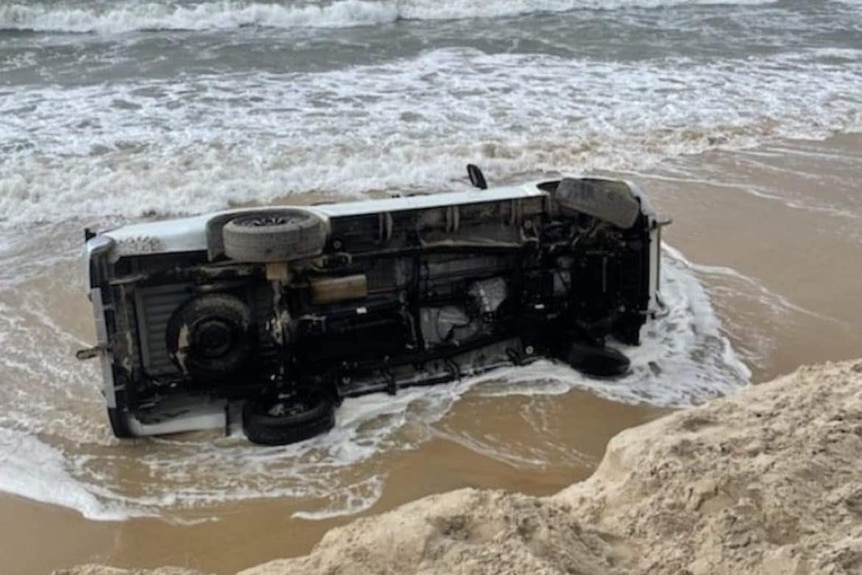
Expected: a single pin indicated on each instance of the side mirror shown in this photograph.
(477, 178)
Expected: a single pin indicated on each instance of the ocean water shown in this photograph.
(114, 111)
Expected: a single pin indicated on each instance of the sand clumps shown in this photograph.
(768, 481)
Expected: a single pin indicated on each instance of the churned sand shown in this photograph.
(766, 482)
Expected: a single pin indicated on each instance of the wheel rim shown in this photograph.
(267, 220)
(213, 338)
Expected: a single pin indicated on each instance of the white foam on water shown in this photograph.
(352, 499)
(754, 313)
(495, 449)
(684, 358)
(34, 470)
(130, 16)
(768, 297)
(203, 143)
(120, 17)
(458, 9)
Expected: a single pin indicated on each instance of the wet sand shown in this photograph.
(252, 532)
(786, 217)
(790, 218)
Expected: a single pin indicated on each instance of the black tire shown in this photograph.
(217, 334)
(119, 423)
(274, 236)
(477, 178)
(597, 361)
(608, 200)
(263, 423)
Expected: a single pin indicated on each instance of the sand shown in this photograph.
(764, 482)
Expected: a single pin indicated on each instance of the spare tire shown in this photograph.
(608, 200)
(273, 421)
(274, 236)
(211, 337)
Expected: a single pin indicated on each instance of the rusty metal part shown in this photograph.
(331, 290)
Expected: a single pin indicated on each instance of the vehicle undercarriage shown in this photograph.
(283, 312)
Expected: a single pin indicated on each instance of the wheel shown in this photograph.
(211, 337)
(280, 422)
(598, 361)
(477, 178)
(274, 236)
(608, 200)
(119, 423)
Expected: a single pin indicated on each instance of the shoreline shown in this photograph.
(245, 533)
(762, 482)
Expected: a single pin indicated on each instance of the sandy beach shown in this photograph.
(247, 533)
(740, 119)
(764, 482)
(772, 234)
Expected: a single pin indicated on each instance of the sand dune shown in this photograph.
(766, 481)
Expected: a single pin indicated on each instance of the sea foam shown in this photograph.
(210, 141)
(32, 469)
(120, 17)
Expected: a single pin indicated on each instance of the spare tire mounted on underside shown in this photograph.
(211, 337)
(274, 236)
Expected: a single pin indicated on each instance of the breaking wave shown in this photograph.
(130, 16)
(214, 141)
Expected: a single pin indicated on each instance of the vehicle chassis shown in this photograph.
(278, 313)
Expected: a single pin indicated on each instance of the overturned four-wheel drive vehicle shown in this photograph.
(271, 316)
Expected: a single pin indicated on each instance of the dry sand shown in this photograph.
(765, 482)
